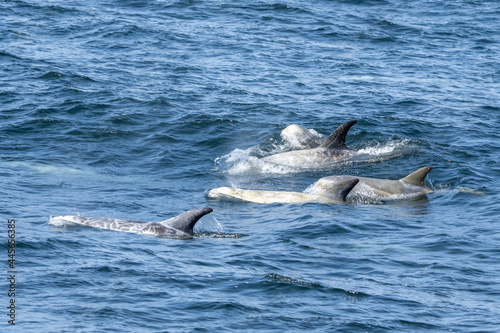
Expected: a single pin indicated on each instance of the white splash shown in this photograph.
(209, 225)
(63, 221)
(391, 148)
(240, 162)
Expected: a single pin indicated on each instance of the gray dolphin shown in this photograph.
(332, 150)
(180, 226)
(381, 189)
(336, 193)
(335, 189)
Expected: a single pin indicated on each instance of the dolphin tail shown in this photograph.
(417, 177)
(337, 138)
(185, 222)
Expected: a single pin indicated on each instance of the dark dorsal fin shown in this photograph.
(336, 140)
(186, 221)
(338, 190)
(346, 187)
(417, 177)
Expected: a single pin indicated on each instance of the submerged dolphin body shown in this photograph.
(180, 226)
(381, 189)
(332, 150)
(334, 194)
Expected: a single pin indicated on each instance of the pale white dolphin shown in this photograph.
(331, 195)
(381, 189)
(331, 151)
(180, 226)
(301, 137)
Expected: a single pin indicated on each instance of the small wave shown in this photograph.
(70, 75)
(286, 279)
(8, 54)
(51, 75)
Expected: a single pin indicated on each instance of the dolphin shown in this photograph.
(180, 226)
(331, 195)
(331, 151)
(301, 137)
(381, 189)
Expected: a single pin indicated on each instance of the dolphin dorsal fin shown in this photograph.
(338, 190)
(417, 177)
(337, 138)
(185, 222)
(347, 187)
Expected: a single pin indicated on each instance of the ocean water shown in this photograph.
(136, 109)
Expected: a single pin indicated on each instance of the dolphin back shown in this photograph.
(336, 140)
(185, 222)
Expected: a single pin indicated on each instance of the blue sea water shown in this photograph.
(135, 109)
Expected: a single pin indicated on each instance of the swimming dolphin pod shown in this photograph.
(331, 151)
(336, 193)
(180, 226)
(330, 190)
(334, 189)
